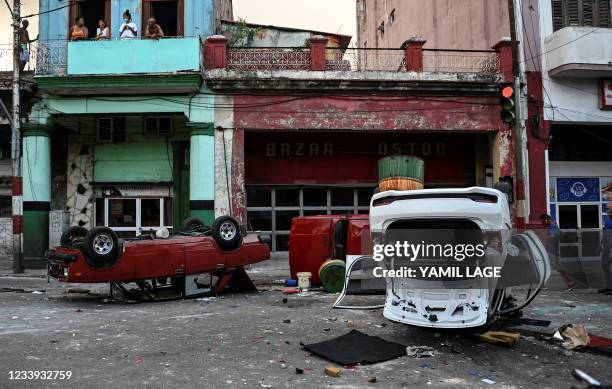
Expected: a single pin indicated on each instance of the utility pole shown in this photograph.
(17, 181)
(518, 132)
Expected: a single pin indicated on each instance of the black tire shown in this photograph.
(71, 234)
(226, 232)
(102, 246)
(192, 224)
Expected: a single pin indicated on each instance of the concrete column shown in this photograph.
(202, 172)
(36, 162)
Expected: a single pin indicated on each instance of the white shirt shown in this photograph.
(103, 33)
(127, 33)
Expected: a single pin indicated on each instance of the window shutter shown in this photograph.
(572, 12)
(557, 13)
(587, 13)
(604, 14)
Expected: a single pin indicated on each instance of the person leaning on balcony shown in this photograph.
(102, 32)
(128, 29)
(24, 44)
(154, 30)
(79, 31)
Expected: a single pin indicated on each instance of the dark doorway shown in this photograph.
(166, 14)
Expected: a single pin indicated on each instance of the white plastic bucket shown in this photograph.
(304, 280)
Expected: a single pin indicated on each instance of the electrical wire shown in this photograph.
(49, 11)
(9, 8)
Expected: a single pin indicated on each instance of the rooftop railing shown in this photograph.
(412, 57)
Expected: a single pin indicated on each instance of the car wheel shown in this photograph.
(102, 245)
(192, 224)
(71, 234)
(226, 232)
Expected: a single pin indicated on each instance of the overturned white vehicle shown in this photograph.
(449, 257)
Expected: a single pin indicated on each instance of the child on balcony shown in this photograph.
(128, 30)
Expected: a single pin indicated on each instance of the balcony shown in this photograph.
(239, 67)
(579, 52)
(134, 56)
(135, 66)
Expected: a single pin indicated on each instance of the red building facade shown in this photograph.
(300, 142)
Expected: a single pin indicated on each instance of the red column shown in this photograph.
(318, 44)
(538, 133)
(215, 52)
(414, 53)
(504, 52)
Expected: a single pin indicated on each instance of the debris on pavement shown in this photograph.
(503, 338)
(333, 371)
(356, 347)
(77, 290)
(299, 371)
(291, 291)
(420, 351)
(372, 380)
(572, 336)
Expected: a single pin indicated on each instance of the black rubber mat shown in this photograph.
(357, 347)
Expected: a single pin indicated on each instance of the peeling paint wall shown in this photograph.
(224, 118)
(80, 192)
(6, 238)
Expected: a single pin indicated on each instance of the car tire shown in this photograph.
(71, 234)
(192, 224)
(102, 246)
(226, 232)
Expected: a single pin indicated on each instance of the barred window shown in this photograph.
(570, 13)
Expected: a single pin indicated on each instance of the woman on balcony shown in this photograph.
(102, 32)
(128, 29)
(79, 31)
(154, 30)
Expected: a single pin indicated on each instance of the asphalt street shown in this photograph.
(252, 340)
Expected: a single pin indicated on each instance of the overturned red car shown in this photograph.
(198, 260)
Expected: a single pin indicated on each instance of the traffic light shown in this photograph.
(507, 104)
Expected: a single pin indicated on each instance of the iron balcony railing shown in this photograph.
(6, 57)
(278, 58)
(461, 61)
(362, 59)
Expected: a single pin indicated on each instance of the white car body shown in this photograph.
(460, 303)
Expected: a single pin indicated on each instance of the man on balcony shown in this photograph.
(154, 30)
(24, 44)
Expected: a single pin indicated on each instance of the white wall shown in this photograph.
(576, 99)
(580, 169)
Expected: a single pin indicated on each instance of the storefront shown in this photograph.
(580, 187)
(291, 174)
